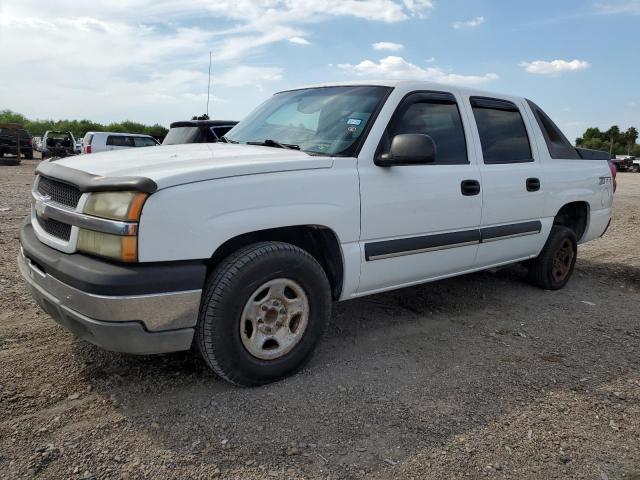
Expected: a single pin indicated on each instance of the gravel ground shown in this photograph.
(481, 376)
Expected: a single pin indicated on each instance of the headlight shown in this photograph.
(119, 206)
(124, 206)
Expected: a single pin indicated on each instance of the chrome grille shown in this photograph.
(59, 192)
(55, 228)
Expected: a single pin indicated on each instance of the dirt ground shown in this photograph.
(481, 376)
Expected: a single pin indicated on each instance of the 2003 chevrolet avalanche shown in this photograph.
(322, 193)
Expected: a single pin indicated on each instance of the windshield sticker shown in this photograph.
(354, 121)
(352, 129)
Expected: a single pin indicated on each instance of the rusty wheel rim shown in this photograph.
(562, 261)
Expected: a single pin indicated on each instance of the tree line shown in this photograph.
(80, 127)
(614, 141)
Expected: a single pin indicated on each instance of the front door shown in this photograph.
(420, 222)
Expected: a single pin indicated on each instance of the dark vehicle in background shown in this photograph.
(9, 142)
(197, 131)
(623, 163)
(58, 144)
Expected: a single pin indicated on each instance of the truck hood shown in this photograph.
(169, 165)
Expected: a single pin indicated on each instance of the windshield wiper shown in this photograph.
(272, 143)
(227, 140)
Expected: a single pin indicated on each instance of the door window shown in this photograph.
(503, 135)
(436, 115)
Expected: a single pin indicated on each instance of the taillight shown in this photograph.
(614, 173)
(88, 149)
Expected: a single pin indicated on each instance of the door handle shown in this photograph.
(533, 184)
(470, 187)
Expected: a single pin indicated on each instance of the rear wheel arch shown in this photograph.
(319, 241)
(575, 216)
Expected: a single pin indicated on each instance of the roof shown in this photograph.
(122, 134)
(203, 123)
(409, 85)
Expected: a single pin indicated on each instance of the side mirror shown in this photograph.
(408, 149)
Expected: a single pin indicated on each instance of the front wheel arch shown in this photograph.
(319, 241)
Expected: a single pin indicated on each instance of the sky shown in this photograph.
(147, 60)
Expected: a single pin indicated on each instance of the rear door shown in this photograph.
(513, 193)
(420, 222)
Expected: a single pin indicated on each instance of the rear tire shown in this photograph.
(553, 268)
(636, 168)
(247, 336)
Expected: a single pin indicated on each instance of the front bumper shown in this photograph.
(140, 323)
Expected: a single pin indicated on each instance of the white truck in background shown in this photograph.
(96, 142)
(323, 193)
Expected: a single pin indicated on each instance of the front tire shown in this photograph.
(636, 168)
(263, 311)
(553, 268)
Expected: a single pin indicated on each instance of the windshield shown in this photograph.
(327, 120)
(180, 135)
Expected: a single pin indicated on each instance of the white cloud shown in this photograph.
(474, 22)
(555, 67)
(393, 67)
(299, 41)
(627, 7)
(132, 58)
(419, 8)
(245, 75)
(390, 46)
(158, 73)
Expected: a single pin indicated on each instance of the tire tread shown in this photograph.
(538, 268)
(219, 284)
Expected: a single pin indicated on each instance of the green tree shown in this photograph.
(80, 127)
(612, 140)
(613, 135)
(204, 116)
(630, 136)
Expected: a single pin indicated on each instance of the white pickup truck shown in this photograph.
(323, 193)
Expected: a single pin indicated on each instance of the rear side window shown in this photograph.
(435, 114)
(88, 139)
(503, 135)
(181, 135)
(220, 131)
(120, 141)
(144, 141)
(557, 143)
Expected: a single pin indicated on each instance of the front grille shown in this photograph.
(55, 228)
(59, 192)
